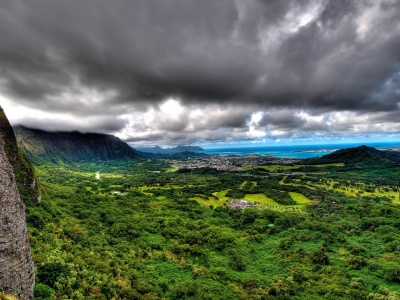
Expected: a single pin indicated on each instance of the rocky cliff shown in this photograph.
(70, 147)
(16, 265)
(23, 171)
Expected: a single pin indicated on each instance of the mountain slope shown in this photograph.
(362, 154)
(23, 170)
(72, 146)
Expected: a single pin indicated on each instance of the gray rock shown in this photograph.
(16, 264)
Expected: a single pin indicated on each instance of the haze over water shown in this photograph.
(296, 151)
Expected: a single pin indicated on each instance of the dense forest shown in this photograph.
(143, 230)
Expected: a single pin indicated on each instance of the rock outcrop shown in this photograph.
(23, 171)
(16, 264)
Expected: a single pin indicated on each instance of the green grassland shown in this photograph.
(299, 198)
(356, 189)
(170, 235)
(285, 168)
(259, 199)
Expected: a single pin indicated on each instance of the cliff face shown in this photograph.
(72, 146)
(16, 265)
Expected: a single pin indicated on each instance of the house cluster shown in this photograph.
(241, 204)
(230, 163)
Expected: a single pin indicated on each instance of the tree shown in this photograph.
(319, 257)
(50, 273)
(42, 291)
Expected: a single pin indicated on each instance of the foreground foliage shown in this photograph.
(135, 234)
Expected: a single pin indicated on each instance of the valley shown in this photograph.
(149, 229)
(205, 150)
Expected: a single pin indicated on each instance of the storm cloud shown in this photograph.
(179, 71)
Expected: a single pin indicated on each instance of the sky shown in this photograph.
(226, 72)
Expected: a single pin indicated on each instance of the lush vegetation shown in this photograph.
(145, 231)
(23, 170)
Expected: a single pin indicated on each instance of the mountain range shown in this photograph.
(72, 146)
(172, 150)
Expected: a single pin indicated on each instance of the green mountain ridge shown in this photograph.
(73, 146)
(361, 154)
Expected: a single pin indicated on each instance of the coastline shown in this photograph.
(296, 151)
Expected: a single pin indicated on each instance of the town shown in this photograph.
(230, 163)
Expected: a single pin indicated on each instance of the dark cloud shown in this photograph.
(99, 124)
(282, 119)
(115, 58)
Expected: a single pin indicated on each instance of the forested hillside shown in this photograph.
(148, 231)
(362, 154)
(68, 147)
(22, 168)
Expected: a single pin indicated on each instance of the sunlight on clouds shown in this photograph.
(368, 18)
(198, 123)
(308, 117)
(278, 132)
(171, 107)
(253, 131)
(77, 94)
(18, 113)
(273, 37)
(296, 19)
(256, 117)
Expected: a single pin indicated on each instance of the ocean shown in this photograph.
(296, 151)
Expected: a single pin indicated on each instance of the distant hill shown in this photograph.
(172, 150)
(362, 154)
(178, 155)
(72, 146)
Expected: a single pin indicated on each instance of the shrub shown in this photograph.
(43, 291)
(50, 273)
(319, 257)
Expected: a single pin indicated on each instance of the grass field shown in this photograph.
(254, 183)
(218, 199)
(221, 195)
(352, 191)
(209, 201)
(299, 198)
(356, 192)
(278, 168)
(260, 198)
(283, 168)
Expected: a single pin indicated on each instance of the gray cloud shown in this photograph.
(98, 124)
(109, 59)
(282, 119)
